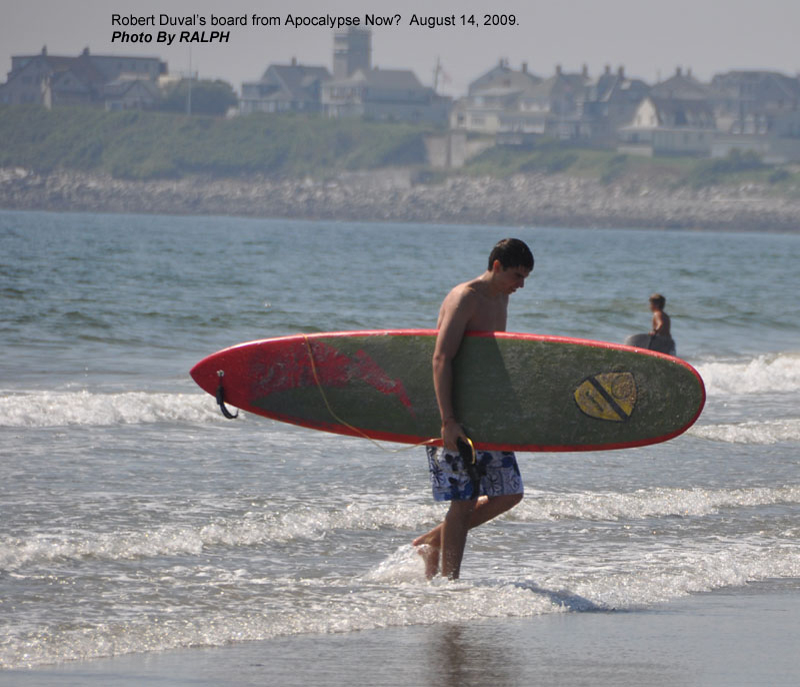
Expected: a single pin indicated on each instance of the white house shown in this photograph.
(670, 126)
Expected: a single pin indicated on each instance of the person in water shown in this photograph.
(481, 491)
(660, 334)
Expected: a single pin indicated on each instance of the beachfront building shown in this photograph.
(52, 80)
(359, 90)
(553, 107)
(610, 103)
(757, 111)
(490, 97)
(386, 95)
(518, 106)
(285, 88)
(669, 126)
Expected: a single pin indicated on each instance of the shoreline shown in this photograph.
(729, 636)
(392, 195)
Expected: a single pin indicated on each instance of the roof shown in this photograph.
(119, 87)
(295, 76)
(789, 87)
(388, 79)
(502, 75)
(574, 83)
(677, 112)
(681, 86)
(606, 85)
(293, 81)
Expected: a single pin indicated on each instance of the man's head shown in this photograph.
(511, 253)
(657, 302)
(510, 262)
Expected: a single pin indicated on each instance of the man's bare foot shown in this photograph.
(430, 555)
(433, 538)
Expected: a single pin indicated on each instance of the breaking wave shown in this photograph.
(761, 375)
(765, 432)
(76, 408)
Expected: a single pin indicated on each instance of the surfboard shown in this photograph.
(662, 344)
(515, 392)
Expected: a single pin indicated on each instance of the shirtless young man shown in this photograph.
(477, 305)
(660, 318)
(661, 337)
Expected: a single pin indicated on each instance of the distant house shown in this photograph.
(384, 94)
(611, 102)
(757, 111)
(670, 126)
(130, 94)
(53, 80)
(285, 88)
(491, 97)
(552, 107)
(756, 103)
(681, 86)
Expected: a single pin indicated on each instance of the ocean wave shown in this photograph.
(251, 530)
(768, 432)
(303, 522)
(395, 594)
(647, 503)
(763, 374)
(85, 408)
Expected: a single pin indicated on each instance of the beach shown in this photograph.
(718, 639)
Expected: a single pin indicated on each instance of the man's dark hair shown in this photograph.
(512, 253)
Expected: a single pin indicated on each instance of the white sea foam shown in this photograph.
(769, 432)
(65, 408)
(764, 374)
(315, 523)
(235, 532)
(642, 576)
(647, 503)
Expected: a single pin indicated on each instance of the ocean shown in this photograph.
(135, 519)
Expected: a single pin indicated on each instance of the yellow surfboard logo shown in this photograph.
(607, 396)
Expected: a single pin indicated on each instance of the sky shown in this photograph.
(649, 37)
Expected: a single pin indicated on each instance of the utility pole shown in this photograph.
(189, 91)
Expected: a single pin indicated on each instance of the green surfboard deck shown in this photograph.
(511, 391)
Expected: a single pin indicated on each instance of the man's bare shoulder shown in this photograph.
(466, 291)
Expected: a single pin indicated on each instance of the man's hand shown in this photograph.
(451, 432)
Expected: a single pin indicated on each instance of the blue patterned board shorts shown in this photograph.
(498, 471)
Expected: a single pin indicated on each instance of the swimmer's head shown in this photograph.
(657, 302)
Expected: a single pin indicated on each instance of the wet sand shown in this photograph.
(744, 636)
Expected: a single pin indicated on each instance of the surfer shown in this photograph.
(661, 337)
(477, 305)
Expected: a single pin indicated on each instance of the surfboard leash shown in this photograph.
(221, 398)
(343, 422)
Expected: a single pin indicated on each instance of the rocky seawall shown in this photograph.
(392, 195)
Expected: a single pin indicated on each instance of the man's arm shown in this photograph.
(456, 313)
(658, 324)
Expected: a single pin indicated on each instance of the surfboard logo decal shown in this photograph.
(607, 396)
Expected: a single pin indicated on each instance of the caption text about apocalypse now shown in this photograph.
(214, 28)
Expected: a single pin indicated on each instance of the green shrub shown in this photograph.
(142, 145)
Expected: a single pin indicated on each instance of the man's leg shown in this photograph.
(484, 509)
(454, 536)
